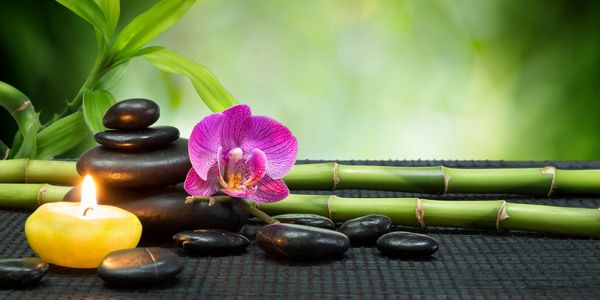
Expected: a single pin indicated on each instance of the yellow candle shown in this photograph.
(80, 235)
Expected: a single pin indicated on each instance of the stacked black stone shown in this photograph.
(138, 168)
(133, 154)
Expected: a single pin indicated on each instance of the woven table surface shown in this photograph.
(469, 264)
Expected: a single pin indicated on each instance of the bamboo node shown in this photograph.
(329, 210)
(446, 180)
(420, 213)
(23, 106)
(336, 175)
(26, 169)
(41, 193)
(502, 215)
(550, 171)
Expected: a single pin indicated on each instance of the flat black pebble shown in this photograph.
(408, 244)
(163, 166)
(367, 229)
(306, 219)
(135, 113)
(21, 272)
(211, 242)
(299, 242)
(139, 266)
(137, 140)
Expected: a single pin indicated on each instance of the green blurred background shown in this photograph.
(477, 79)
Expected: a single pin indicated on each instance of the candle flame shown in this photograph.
(88, 193)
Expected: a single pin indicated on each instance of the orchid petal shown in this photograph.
(257, 167)
(232, 131)
(269, 190)
(275, 140)
(204, 143)
(196, 186)
(235, 193)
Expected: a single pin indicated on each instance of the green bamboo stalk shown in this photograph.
(496, 214)
(442, 180)
(474, 214)
(30, 196)
(332, 176)
(38, 171)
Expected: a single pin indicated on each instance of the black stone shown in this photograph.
(164, 166)
(21, 272)
(163, 212)
(140, 266)
(367, 229)
(137, 140)
(306, 219)
(131, 114)
(408, 244)
(298, 242)
(211, 242)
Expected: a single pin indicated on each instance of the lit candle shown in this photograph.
(80, 235)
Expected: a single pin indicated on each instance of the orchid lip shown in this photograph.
(238, 177)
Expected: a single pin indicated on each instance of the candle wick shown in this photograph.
(86, 210)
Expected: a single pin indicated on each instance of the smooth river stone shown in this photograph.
(367, 229)
(407, 244)
(137, 140)
(211, 242)
(163, 212)
(163, 166)
(306, 219)
(131, 114)
(140, 266)
(299, 242)
(21, 272)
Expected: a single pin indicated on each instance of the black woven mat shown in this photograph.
(469, 264)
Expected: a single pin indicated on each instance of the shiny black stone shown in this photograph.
(163, 166)
(306, 219)
(21, 272)
(163, 212)
(139, 266)
(211, 242)
(409, 244)
(299, 242)
(131, 114)
(137, 140)
(367, 229)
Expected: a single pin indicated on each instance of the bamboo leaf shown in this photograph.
(110, 79)
(216, 97)
(148, 25)
(28, 147)
(112, 12)
(4, 151)
(19, 106)
(61, 136)
(95, 105)
(91, 13)
(172, 89)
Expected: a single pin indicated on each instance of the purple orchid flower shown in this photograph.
(241, 155)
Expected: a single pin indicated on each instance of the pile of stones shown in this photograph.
(140, 169)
